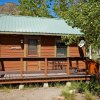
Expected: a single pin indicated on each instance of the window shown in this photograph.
(61, 49)
(32, 47)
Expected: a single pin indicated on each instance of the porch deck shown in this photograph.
(67, 73)
(40, 77)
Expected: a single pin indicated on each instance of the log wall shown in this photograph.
(11, 46)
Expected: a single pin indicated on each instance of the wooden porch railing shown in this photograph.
(45, 59)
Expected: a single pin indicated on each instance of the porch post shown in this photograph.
(67, 67)
(25, 52)
(21, 67)
(45, 66)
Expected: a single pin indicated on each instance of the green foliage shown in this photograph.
(71, 39)
(8, 87)
(34, 8)
(57, 84)
(94, 87)
(90, 89)
(82, 87)
(33, 85)
(85, 16)
(89, 96)
(67, 95)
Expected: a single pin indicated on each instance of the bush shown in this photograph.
(82, 86)
(94, 87)
(67, 95)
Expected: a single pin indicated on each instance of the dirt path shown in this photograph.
(30, 94)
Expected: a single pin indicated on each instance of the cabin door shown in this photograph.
(32, 51)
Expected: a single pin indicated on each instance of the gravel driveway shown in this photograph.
(35, 94)
(31, 94)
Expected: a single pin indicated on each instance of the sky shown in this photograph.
(2, 2)
(5, 1)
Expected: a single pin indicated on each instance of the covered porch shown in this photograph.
(55, 69)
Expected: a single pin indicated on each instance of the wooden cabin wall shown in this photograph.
(75, 51)
(47, 49)
(11, 47)
(48, 46)
(31, 65)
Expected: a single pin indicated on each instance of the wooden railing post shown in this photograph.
(46, 66)
(21, 67)
(67, 67)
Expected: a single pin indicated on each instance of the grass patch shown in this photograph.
(89, 89)
(89, 96)
(57, 84)
(16, 86)
(67, 95)
(33, 85)
(8, 86)
(66, 91)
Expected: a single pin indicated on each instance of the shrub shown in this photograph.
(67, 95)
(94, 87)
(82, 86)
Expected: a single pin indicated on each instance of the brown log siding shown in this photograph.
(8, 42)
(47, 49)
(75, 51)
(11, 47)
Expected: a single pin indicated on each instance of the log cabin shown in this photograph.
(31, 50)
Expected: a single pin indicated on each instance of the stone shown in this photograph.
(87, 82)
(45, 85)
(72, 91)
(21, 86)
(68, 84)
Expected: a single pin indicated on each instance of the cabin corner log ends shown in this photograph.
(64, 72)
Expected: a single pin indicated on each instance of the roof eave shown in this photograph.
(37, 33)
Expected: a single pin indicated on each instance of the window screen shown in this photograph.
(61, 49)
(32, 47)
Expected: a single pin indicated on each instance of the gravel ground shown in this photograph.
(34, 94)
(30, 94)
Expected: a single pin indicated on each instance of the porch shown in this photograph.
(55, 69)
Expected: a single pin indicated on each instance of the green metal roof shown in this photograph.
(33, 25)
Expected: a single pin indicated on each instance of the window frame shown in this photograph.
(61, 54)
(34, 51)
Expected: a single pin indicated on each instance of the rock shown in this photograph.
(45, 85)
(72, 91)
(87, 82)
(58, 98)
(21, 86)
(68, 84)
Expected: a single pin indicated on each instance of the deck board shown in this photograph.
(41, 76)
